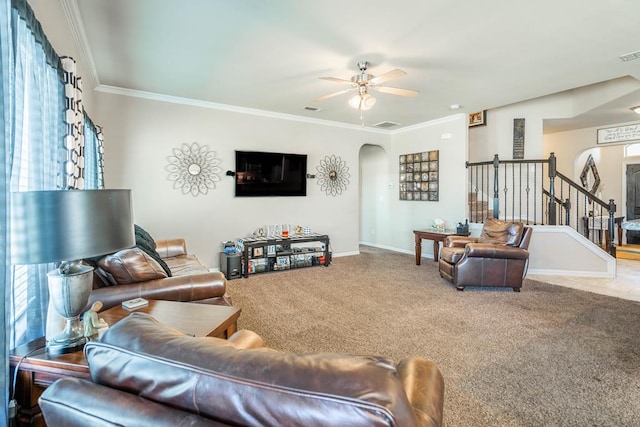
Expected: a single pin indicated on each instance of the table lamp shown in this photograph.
(66, 226)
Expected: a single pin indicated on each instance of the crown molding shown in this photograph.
(232, 108)
(74, 19)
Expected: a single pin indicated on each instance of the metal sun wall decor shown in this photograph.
(193, 169)
(419, 176)
(333, 175)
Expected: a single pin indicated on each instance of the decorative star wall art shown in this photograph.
(333, 175)
(193, 169)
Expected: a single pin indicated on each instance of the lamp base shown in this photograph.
(70, 340)
(69, 293)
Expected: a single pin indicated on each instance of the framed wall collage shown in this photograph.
(419, 176)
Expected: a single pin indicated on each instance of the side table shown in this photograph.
(436, 236)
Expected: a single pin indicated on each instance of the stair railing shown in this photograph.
(534, 192)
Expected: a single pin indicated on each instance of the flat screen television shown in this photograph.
(262, 174)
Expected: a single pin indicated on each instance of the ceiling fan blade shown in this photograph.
(335, 79)
(390, 75)
(331, 95)
(397, 91)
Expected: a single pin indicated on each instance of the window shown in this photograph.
(632, 150)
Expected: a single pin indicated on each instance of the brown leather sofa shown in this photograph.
(499, 257)
(132, 273)
(144, 373)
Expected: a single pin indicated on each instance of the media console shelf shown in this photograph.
(260, 255)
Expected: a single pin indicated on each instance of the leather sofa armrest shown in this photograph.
(459, 241)
(424, 387)
(245, 338)
(488, 250)
(74, 402)
(189, 288)
(171, 248)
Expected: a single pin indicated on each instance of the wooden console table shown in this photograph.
(38, 370)
(436, 236)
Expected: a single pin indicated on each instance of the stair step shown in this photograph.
(478, 205)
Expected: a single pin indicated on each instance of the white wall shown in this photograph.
(449, 137)
(141, 133)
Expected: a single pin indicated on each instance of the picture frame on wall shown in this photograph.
(478, 118)
(418, 176)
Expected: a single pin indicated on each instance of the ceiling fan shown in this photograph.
(363, 83)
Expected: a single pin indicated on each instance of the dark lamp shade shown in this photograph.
(68, 225)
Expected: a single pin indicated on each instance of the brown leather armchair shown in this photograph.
(144, 373)
(499, 257)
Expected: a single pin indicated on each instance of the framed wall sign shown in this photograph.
(518, 138)
(619, 134)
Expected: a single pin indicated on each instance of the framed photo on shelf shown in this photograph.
(478, 119)
(259, 251)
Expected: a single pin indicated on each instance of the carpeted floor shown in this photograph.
(547, 356)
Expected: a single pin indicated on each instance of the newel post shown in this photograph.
(496, 187)
(612, 210)
(552, 190)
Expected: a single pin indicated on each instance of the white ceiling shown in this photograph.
(269, 55)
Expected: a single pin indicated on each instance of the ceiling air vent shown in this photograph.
(630, 56)
(385, 125)
(314, 109)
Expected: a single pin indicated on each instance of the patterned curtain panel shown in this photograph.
(93, 155)
(74, 117)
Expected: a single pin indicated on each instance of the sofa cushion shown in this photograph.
(131, 266)
(186, 265)
(145, 242)
(500, 232)
(211, 377)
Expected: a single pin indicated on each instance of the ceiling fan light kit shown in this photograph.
(362, 82)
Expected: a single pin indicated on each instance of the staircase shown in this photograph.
(534, 192)
(478, 209)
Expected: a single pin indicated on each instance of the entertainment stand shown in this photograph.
(265, 254)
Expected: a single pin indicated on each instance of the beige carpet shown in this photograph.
(548, 356)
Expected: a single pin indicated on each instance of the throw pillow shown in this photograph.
(131, 266)
(145, 242)
(500, 232)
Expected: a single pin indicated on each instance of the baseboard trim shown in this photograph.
(594, 274)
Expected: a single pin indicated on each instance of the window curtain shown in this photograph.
(84, 140)
(44, 125)
(74, 117)
(93, 155)
(36, 154)
(4, 206)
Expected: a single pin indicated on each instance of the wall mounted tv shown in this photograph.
(261, 174)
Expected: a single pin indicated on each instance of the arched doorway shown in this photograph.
(374, 194)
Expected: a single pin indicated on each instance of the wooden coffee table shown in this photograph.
(197, 320)
(38, 370)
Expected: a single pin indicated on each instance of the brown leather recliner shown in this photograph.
(499, 257)
(144, 373)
